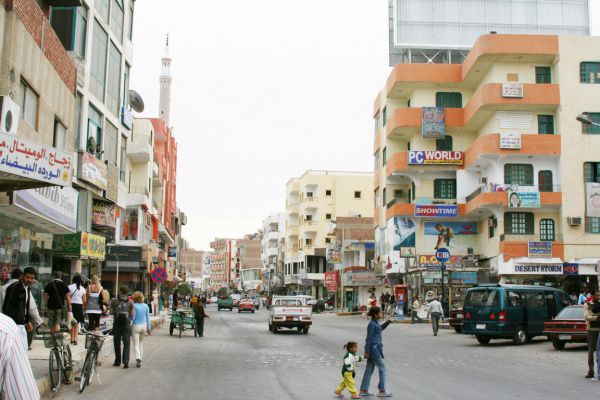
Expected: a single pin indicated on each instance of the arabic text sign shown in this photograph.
(436, 210)
(512, 90)
(523, 199)
(57, 204)
(424, 157)
(510, 140)
(592, 200)
(93, 170)
(35, 161)
(539, 249)
(331, 281)
(433, 122)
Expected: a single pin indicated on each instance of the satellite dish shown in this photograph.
(135, 101)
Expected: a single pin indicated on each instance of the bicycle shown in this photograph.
(93, 344)
(60, 362)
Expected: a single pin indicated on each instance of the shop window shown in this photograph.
(589, 72)
(545, 181)
(444, 144)
(448, 99)
(547, 230)
(28, 101)
(543, 75)
(129, 224)
(592, 129)
(546, 124)
(518, 223)
(518, 174)
(444, 188)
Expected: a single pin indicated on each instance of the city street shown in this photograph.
(238, 358)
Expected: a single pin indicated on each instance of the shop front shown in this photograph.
(126, 265)
(79, 253)
(359, 283)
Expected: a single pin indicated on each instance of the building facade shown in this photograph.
(272, 249)
(220, 264)
(487, 159)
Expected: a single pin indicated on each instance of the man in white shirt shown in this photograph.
(16, 377)
(435, 312)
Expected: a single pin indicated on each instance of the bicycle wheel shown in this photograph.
(86, 371)
(93, 371)
(68, 365)
(54, 369)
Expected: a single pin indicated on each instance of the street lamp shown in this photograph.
(586, 120)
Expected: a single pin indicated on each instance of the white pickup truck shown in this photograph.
(290, 312)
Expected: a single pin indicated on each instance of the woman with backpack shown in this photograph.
(94, 304)
(78, 299)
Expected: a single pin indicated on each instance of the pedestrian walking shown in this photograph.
(593, 329)
(435, 312)
(58, 301)
(199, 314)
(372, 300)
(382, 301)
(95, 301)
(392, 306)
(349, 366)
(122, 311)
(374, 354)
(77, 293)
(16, 377)
(141, 326)
(414, 313)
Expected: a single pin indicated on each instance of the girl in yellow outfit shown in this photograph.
(351, 361)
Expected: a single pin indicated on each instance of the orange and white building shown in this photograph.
(487, 158)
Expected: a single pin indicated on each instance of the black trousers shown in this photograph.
(122, 333)
(200, 326)
(592, 339)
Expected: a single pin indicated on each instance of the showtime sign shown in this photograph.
(423, 157)
(436, 210)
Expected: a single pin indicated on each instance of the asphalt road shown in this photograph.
(238, 358)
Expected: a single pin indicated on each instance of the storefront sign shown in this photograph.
(539, 249)
(92, 170)
(103, 214)
(570, 269)
(331, 281)
(592, 199)
(35, 161)
(433, 122)
(512, 90)
(173, 252)
(363, 278)
(335, 256)
(306, 282)
(124, 253)
(523, 199)
(539, 269)
(464, 277)
(510, 140)
(436, 210)
(435, 157)
(112, 182)
(80, 244)
(54, 203)
(431, 260)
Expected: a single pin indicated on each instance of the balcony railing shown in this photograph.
(501, 187)
(505, 237)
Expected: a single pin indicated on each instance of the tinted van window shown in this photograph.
(482, 298)
(515, 299)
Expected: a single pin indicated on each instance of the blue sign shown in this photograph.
(193, 284)
(442, 255)
(464, 277)
(433, 122)
(539, 249)
(436, 210)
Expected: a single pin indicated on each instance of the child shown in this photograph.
(349, 371)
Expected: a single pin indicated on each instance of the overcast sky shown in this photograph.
(262, 91)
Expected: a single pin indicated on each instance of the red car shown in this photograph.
(567, 327)
(246, 305)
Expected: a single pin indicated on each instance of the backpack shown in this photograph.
(122, 314)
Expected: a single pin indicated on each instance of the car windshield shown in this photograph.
(482, 298)
(571, 313)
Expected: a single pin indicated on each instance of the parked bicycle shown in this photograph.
(60, 362)
(93, 344)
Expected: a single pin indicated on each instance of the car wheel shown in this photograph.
(252, 311)
(171, 327)
(305, 330)
(274, 329)
(219, 309)
(239, 311)
(530, 338)
(270, 328)
(520, 336)
(483, 339)
(458, 329)
(558, 344)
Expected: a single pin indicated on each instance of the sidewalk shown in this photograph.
(39, 355)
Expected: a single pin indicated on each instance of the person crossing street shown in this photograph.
(435, 312)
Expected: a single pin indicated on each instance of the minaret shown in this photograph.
(165, 86)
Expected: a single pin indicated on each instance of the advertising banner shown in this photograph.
(523, 199)
(539, 249)
(103, 214)
(35, 161)
(431, 261)
(125, 253)
(436, 210)
(331, 281)
(424, 157)
(93, 170)
(401, 233)
(80, 244)
(464, 277)
(433, 123)
(570, 269)
(510, 140)
(455, 236)
(334, 256)
(54, 203)
(363, 278)
(592, 199)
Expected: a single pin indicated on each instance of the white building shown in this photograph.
(272, 248)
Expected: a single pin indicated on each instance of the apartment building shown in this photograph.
(313, 200)
(489, 159)
(192, 262)
(220, 264)
(249, 273)
(272, 248)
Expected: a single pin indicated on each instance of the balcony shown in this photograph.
(140, 149)
(291, 280)
(138, 195)
(272, 251)
(377, 141)
(406, 122)
(273, 236)
(497, 195)
(516, 246)
(293, 208)
(292, 230)
(488, 147)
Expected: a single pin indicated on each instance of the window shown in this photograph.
(328, 193)
(327, 216)
(78, 106)
(98, 65)
(491, 231)
(384, 196)
(448, 99)
(110, 143)
(592, 225)
(591, 128)
(308, 242)
(116, 19)
(589, 72)
(114, 79)
(95, 120)
(327, 240)
(444, 144)
(309, 195)
(130, 25)
(384, 156)
(376, 198)
(28, 101)
(70, 25)
(384, 115)
(102, 6)
(518, 174)
(518, 223)
(545, 181)
(546, 124)
(357, 194)
(308, 218)
(129, 224)
(547, 230)
(376, 161)
(60, 135)
(414, 190)
(444, 188)
(126, 75)
(398, 193)
(543, 75)
(591, 172)
(123, 164)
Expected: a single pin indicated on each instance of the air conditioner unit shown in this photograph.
(574, 221)
(9, 115)
(483, 180)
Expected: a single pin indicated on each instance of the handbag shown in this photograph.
(70, 321)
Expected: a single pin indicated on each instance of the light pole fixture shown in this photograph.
(586, 120)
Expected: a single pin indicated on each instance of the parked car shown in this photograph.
(290, 312)
(568, 327)
(456, 320)
(246, 305)
(517, 312)
(213, 300)
(225, 302)
(236, 299)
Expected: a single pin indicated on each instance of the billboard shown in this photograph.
(523, 199)
(54, 203)
(401, 233)
(592, 199)
(433, 122)
(455, 236)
